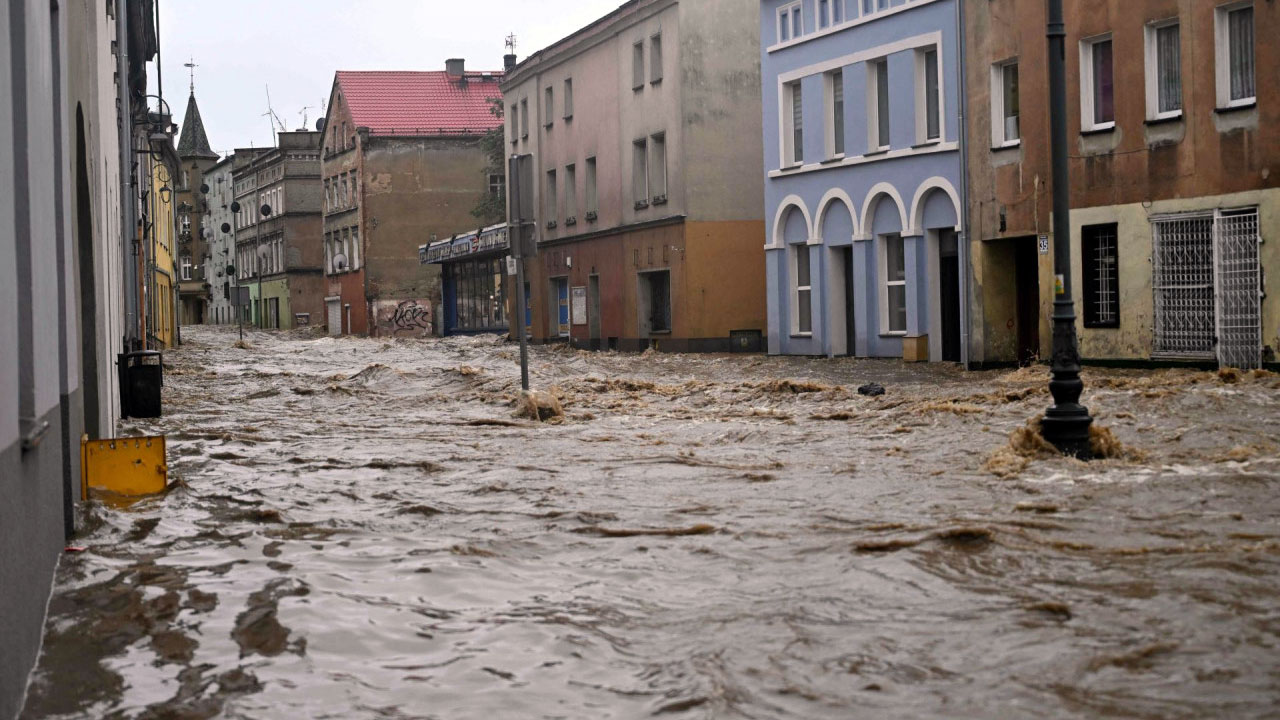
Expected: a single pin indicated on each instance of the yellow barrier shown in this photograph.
(127, 466)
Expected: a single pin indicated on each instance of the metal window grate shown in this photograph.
(1239, 289)
(1182, 267)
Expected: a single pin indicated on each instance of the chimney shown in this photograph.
(509, 62)
(455, 67)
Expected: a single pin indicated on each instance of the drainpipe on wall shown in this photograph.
(128, 196)
(966, 277)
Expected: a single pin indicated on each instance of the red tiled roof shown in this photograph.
(420, 103)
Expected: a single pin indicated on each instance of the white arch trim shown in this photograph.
(778, 242)
(917, 205)
(824, 205)
(869, 207)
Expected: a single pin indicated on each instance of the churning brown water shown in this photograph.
(363, 529)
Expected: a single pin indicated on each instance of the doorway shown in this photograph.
(949, 287)
(654, 303)
(593, 310)
(1027, 271)
(560, 311)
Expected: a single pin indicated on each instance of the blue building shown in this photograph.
(864, 171)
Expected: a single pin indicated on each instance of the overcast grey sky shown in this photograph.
(295, 46)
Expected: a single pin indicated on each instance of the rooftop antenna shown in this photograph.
(271, 114)
(192, 67)
(511, 43)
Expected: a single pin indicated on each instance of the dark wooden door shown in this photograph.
(949, 269)
(1027, 261)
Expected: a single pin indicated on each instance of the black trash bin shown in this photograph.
(141, 376)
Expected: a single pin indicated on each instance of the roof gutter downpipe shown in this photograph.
(966, 254)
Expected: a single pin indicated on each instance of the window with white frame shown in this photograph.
(790, 22)
(835, 113)
(640, 172)
(354, 258)
(186, 267)
(571, 191)
(593, 205)
(792, 124)
(637, 66)
(870, 7)
(802, 290)
(1164, 70)
(658, 168)
(568, 98)
(928, 96)
(1097, 85)
(655, 59)
(893, 288)
(1006, 129)
(497, 185)
(878, 138)
(824, 14)
(550, 206)
(1234, 55)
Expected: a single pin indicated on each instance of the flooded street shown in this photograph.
(363, 529)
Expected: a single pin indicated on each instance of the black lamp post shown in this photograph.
(265, 211)
(1066, 424)
(226, 228)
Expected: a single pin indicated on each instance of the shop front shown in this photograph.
(474, 281)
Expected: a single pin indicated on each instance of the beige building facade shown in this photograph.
(645, 133)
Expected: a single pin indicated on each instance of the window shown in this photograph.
(549, 107)
(1233, 27)
(640, 173)
(658, 168)
(928, 97)
(354, 259)
(1101, 267)
(835, 114)
(790, 22)
(1164, 70)
(186, 267)
(870, 7)
(637, 66)
(802, 282)
(655, 59)
(824, 14)
(837, 12)
(514, 112)
(568, 98)
(551, 208)
(793, 125)
(497, 185)
(1006, 130)
(571, 192)
(592, 204)
(1097, 85)
(524, 118)
(878, 104)
(894, 290)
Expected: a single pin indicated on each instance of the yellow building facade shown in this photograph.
(159, 233)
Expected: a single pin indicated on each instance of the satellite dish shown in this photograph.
(204, 188)
(266, 211)
(226, 227)
(235, 206)
(340, 262)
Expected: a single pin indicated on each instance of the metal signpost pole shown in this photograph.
(516, 229)
(1066, 424)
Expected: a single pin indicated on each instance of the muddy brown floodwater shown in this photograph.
(364, 529)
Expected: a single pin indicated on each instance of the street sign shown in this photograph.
(1044, 244)
(511, 265)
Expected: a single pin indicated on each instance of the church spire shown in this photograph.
(194, 143)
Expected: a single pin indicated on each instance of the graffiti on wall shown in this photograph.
(404, 318)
